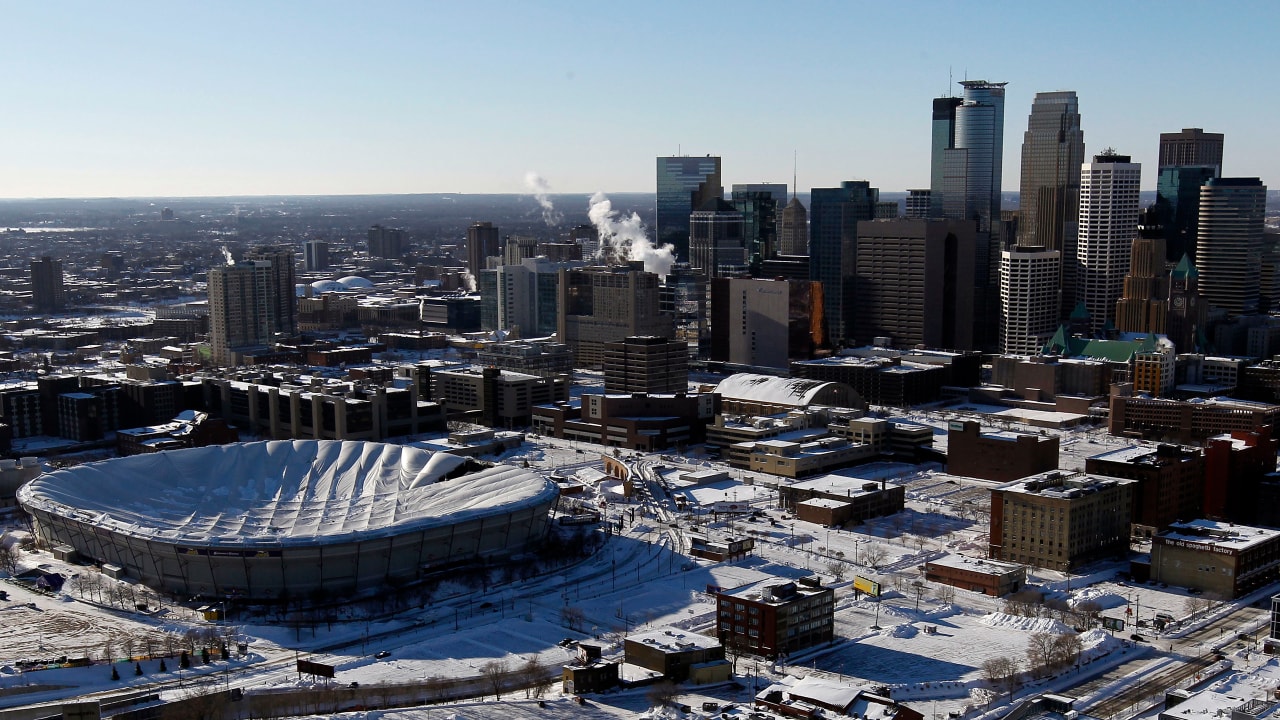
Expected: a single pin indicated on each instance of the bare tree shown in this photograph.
(495, 673)
(662, 693)
(1090, 611)
(1040, 653)
(873, 556)
(946, 594)
(1067, 647)
(573, 617)
(535, 677)
(1001, 673)
(1197, 604)
(837, 569)
(8, 557)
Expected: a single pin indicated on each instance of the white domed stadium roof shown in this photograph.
(324, 286)
(355, 282)
(281, 493)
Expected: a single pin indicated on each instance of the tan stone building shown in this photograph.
(1219, 559)
(1056, 520)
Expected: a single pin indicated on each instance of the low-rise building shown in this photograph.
(1000, 456)
(15, 473)
(1170, 481)
(636, 422)
(1057, 520)
(1186, 420)
(189, 429)
(793, 459)
(1220, 559)
(989, 577)
(719, 547)
(752, 394)
(812, 696)
(679, 655)
(494, 397)
(844, 499)
(589, 671)
(775, 617)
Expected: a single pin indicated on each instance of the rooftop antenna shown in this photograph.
(794, 185)
(950, 83)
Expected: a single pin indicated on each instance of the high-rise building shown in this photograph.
(646, 364)
(316, 255)
(1028, 298)
(1188, 160)
(519, 248)
(1192, 146)
(48, 293)
(1229, 249)
(1178, 201)
(599, 305)
(717, 240)
(483, 242)
(684, 185)
(1048, 198)
(282, 311)
(240, 300)
(915, 283)
(1188, 313)
(970, 190)
(943, 139)
(385, 242)
(749, 321)
(1108, 223)
(834, 214)
(1144, 302)
(522, 297)
(918, 204)
(760, 205)
(793, 229)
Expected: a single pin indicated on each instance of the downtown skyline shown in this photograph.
(150, 99)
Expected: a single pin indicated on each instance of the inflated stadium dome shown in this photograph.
(355, 282)
(325, 286)
(276, 518)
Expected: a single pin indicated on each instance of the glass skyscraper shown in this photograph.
(684, 185)
(760, 205)
(833, 248)
(1048, 198)
(1188, 160)
(944, 139)
(1229, 256)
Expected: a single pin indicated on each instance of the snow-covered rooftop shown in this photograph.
(770, 389)
(280, 492)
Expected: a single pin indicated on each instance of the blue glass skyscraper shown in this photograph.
(684, 185)
(833, 248)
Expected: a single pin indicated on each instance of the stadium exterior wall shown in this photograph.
(263, 572)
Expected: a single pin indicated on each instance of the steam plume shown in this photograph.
(541, 189)
(625, 238)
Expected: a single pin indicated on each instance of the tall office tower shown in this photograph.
(1188, 160)
(918, 204)
(1144, 303)
(1188, 313)
(943, 139)
(971, 177)
(241, 299)
(1048, 196)
(483, 242)
(646, 364)
(764, 323)
(315, 255)
(684, 185)
(1028, 298)
(716, 240)
(915, 283)
(47, 291)
(760, 205)
(834, 214)
(599, 305)
(385, 242)
(793, 229)
(519, 248)
(522, 297)
(1229, 249)
(1192, 146)
(1108, 223)
(282, 311)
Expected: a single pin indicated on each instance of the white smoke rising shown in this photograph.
(226, 255)
(469, 281)
(626, 239)
(540, 188)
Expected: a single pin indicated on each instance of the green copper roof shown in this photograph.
(1185, 268)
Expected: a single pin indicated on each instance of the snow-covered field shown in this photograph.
(636, 581)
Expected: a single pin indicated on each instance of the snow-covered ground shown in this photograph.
(635, 581)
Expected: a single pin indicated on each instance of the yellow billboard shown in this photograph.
(870, 587)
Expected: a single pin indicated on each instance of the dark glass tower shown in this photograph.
(834, 214)
(1048, 197)
(684, 185)
(1188, 160)
(760, 209)
(944, 138)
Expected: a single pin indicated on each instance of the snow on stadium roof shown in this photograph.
(275, 493)
(770, 389)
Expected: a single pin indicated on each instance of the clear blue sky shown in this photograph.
(235, 97)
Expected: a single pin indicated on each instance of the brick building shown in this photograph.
(776, 617)
(1170, 481)
(636, 422)
(1235, 467)
(834, 500)
(988, 577)
(1187, 420)
(1058, 521)
(1221, 559)
(646, 364)
(680, 655)
(998, 456)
